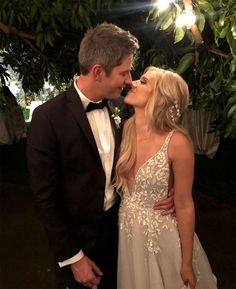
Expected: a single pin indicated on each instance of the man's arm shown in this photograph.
(44, 168)
(166, 205)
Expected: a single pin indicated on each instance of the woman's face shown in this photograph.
(141, 90)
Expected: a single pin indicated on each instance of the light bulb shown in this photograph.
(162, 4)
(187, 18)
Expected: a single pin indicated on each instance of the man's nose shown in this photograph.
(128, 79)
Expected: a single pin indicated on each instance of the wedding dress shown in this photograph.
(149, 244)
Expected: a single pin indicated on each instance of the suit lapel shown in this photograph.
(77, 109)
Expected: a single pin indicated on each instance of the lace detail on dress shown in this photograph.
(150, 185)
(150, 254)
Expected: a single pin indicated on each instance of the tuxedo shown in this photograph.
(67, 177)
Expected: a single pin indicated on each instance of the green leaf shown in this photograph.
(206, 6)
(228, 131)
(25, 19)
(201, 22)
(231, 101)
(231, 111)
(99, 4)
(50, 39)
(33, 10)
(155, 61)
(19, 19)
(40, 41)
(81, 12)
(87, 20)
(231, 87)
(233, 28)
(167, 22)
(224, 31)
(12, 16)
(222, 19)
(233, 65)
(231, 41)
(179, 34)
(185, 62)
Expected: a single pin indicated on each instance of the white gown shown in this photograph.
(149, 244)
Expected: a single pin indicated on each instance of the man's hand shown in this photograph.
(86, 272)
(166, 205)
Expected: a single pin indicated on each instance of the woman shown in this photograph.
(155, 251)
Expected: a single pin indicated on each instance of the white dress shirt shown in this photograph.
(100, 124)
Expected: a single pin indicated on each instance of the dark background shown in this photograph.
(26, 261)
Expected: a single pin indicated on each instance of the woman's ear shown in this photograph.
(97, 72)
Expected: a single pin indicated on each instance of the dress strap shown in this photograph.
(167, 140)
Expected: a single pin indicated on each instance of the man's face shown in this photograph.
(118, 79)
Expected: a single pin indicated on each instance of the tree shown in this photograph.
(206, 56)
(40, 39)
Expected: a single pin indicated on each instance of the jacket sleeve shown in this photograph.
(44, 171)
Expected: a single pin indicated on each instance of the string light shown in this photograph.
(162, 5)
(187, 18)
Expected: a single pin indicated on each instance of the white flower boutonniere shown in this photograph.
(116, 116)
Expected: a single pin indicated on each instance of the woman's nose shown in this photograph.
(134, 83)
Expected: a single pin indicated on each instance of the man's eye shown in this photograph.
(124, 74)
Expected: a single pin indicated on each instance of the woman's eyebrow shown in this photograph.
(144, 78)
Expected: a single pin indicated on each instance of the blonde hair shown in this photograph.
(166, 104)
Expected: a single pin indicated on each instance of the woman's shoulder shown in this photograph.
(180, 136)
(180, 143)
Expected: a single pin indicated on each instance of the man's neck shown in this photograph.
(88, 88)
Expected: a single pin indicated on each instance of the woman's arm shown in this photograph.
(182, 157)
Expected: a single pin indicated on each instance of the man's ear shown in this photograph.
(97, 72)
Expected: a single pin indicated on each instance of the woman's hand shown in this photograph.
(188, 276)
(166, 205)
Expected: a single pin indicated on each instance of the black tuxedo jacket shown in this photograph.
(66, 173)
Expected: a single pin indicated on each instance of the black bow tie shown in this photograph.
(92, 105)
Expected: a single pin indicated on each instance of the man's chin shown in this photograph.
(126, 100)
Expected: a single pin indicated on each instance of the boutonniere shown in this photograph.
(116, 116)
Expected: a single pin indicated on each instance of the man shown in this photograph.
(72, 149)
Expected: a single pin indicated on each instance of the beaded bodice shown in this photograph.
(151, 184)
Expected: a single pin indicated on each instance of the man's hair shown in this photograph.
(107, 45)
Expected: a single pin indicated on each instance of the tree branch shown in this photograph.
(198, 36)
(34, 48)
(218, 52)
(8, 29)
